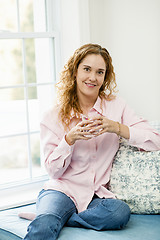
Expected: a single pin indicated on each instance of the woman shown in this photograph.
(80, 137)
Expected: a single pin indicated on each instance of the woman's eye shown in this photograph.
(100, 72)
(86, 69)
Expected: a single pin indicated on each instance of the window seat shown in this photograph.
(139, 227)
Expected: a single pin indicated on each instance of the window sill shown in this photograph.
(20, 195)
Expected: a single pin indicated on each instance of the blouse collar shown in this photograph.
(97, 107)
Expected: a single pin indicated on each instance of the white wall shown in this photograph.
(130, 30)
(75, 28)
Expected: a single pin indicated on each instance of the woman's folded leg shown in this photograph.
(102, 214)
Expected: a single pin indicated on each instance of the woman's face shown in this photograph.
(90, 76)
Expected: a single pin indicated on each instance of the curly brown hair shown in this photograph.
(66, 87)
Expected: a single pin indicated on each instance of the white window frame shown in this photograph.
(25, 192)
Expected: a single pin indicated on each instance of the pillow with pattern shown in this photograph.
(135, 178)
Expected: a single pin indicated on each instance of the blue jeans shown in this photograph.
(55, 209)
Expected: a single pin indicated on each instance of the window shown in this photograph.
(28, 69)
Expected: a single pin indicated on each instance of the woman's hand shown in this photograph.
(102, 124)
(94, 127)
(82, 131)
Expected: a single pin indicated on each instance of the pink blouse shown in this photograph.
(83, 169)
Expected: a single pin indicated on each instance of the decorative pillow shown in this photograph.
(135, 178)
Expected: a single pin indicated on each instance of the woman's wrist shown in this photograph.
(68, 140)
(122, 130)
(117, 128)
(118, 131)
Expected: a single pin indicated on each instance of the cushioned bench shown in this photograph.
(140, 227)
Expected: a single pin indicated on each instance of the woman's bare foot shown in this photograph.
(27, 215)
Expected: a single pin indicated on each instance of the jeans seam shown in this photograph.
(68, 212)
(102, 203)
(89, 209)
(54, 214)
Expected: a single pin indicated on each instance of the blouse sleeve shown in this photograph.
(57, 152)
(142, 135)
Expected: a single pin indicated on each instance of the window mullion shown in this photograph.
(52, 59)
(18, 134)
(23, 35)
(27, 108)
(46, 16)
(18, 17)
(28, 84)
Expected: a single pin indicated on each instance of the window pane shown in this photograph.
(26, 15)
(37, 106)
(8, 13)
(32, 92)
(34, 117)
(13, 163)
(46, 97)
(7, 94)
(39, 60)
(39, 15)
(45, 69)
(11, 72)
(30, 60)
(13, 116)
(37, 166)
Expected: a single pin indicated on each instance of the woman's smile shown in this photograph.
(90, 85)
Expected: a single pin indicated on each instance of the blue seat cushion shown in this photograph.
(139, 227)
